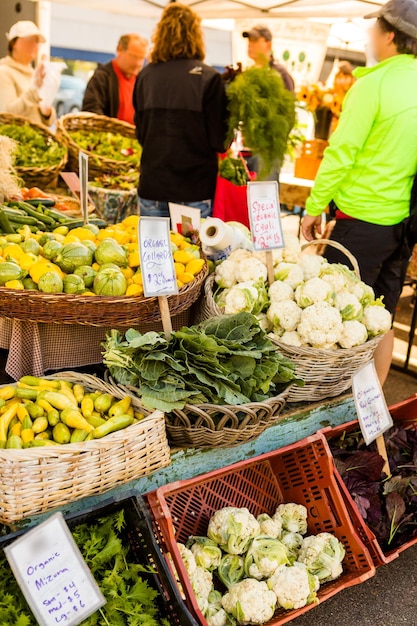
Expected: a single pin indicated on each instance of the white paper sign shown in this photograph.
(374, 417)
(53, 575)
(178, 212)
(83, 165)
(157, 264)
(265, 216)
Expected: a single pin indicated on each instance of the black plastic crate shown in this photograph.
(145, 549)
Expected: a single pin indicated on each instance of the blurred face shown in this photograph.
(132, 60)
(259, 49)
(381, 43)
(25, 49)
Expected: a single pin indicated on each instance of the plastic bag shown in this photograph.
(51, 82)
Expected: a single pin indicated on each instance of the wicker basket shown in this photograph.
(36, 480)
(62, 308)
(326, 373)
(218, 426)
(97, 165)
(36, 176)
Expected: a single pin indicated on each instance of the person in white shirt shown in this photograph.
(20, 82)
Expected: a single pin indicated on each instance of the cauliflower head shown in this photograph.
(241, 297)
(276, 256)
(225, 275)
(322, 554)
(215, 613)
(231, 569)
(280, 291)
(320, 325)
(294, 586)
(292, 338)
(233, 529)
(207, 554)
(338, 276)
(264, 322)
(293, 517)
(292, 541)
(188, 559)
(270, 527)
(349, 306)
(251, 269)
(250, 602)
(311, 264)
(377, 319)
(354, 333)
(240, 254)
(314, 290)
(202, 584)
(289, 273)
(284, 315)
(264, 556)
(364, 293)
(292, 251)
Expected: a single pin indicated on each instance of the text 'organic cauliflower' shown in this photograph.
(294, 586)
(250, 602)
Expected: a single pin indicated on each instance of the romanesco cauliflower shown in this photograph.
(233, 529)
(250, 602)
(294, 586)
(377, 319)
(284, 315)
(354, 333)
(320, 325)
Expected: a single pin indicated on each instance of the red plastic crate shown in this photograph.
(301, 473)
(404, 412)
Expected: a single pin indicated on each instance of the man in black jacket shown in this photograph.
(110, 89)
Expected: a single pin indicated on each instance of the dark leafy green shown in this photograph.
(387, 504)
(234, 171)
(131, 601)
(224, 360)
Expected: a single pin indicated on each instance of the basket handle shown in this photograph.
(338, 246)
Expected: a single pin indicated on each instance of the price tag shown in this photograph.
(184, 218)
(157, 264)
(53, 575)
(83, 165)
(265, 216)
(371, 407)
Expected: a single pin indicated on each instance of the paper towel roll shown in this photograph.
(214, 233)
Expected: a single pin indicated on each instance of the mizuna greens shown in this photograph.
(224, 360)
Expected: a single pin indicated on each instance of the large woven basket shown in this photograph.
(326, 373)
(61, 308)
(36, 176)
(36, 480)
(97, 165)
(219, 426)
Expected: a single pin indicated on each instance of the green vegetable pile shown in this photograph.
(234, 171)
(131, 601)
(34, 149)
(225, 360)
(264, 110)
(125, 182)
(109, 145)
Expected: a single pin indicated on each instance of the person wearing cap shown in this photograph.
(19, 81)
(110, 89)
(368, 169)
(260, 51)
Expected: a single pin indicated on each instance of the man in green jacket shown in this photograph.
(368, 169)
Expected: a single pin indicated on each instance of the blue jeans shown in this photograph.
(155, 208)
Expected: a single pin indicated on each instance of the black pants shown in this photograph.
(381, 252)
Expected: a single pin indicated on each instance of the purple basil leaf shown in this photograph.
(395, 506)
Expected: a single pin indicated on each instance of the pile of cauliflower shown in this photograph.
(264, 564)
(311, 303)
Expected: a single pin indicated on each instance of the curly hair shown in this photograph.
(178, 35)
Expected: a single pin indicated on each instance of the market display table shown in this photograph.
(294, 191)
(298, 421)
(37, 348)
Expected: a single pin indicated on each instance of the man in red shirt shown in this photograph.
(110, 89)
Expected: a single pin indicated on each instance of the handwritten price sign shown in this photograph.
(53, 575)
(157, 263)
(264, 215)
(371, 407)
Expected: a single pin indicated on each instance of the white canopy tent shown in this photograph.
(239, 9)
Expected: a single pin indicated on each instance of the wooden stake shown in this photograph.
(165, 316)
(270, 267)
(382, 450)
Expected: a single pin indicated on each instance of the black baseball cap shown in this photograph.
(257, 32)
(401, 14)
